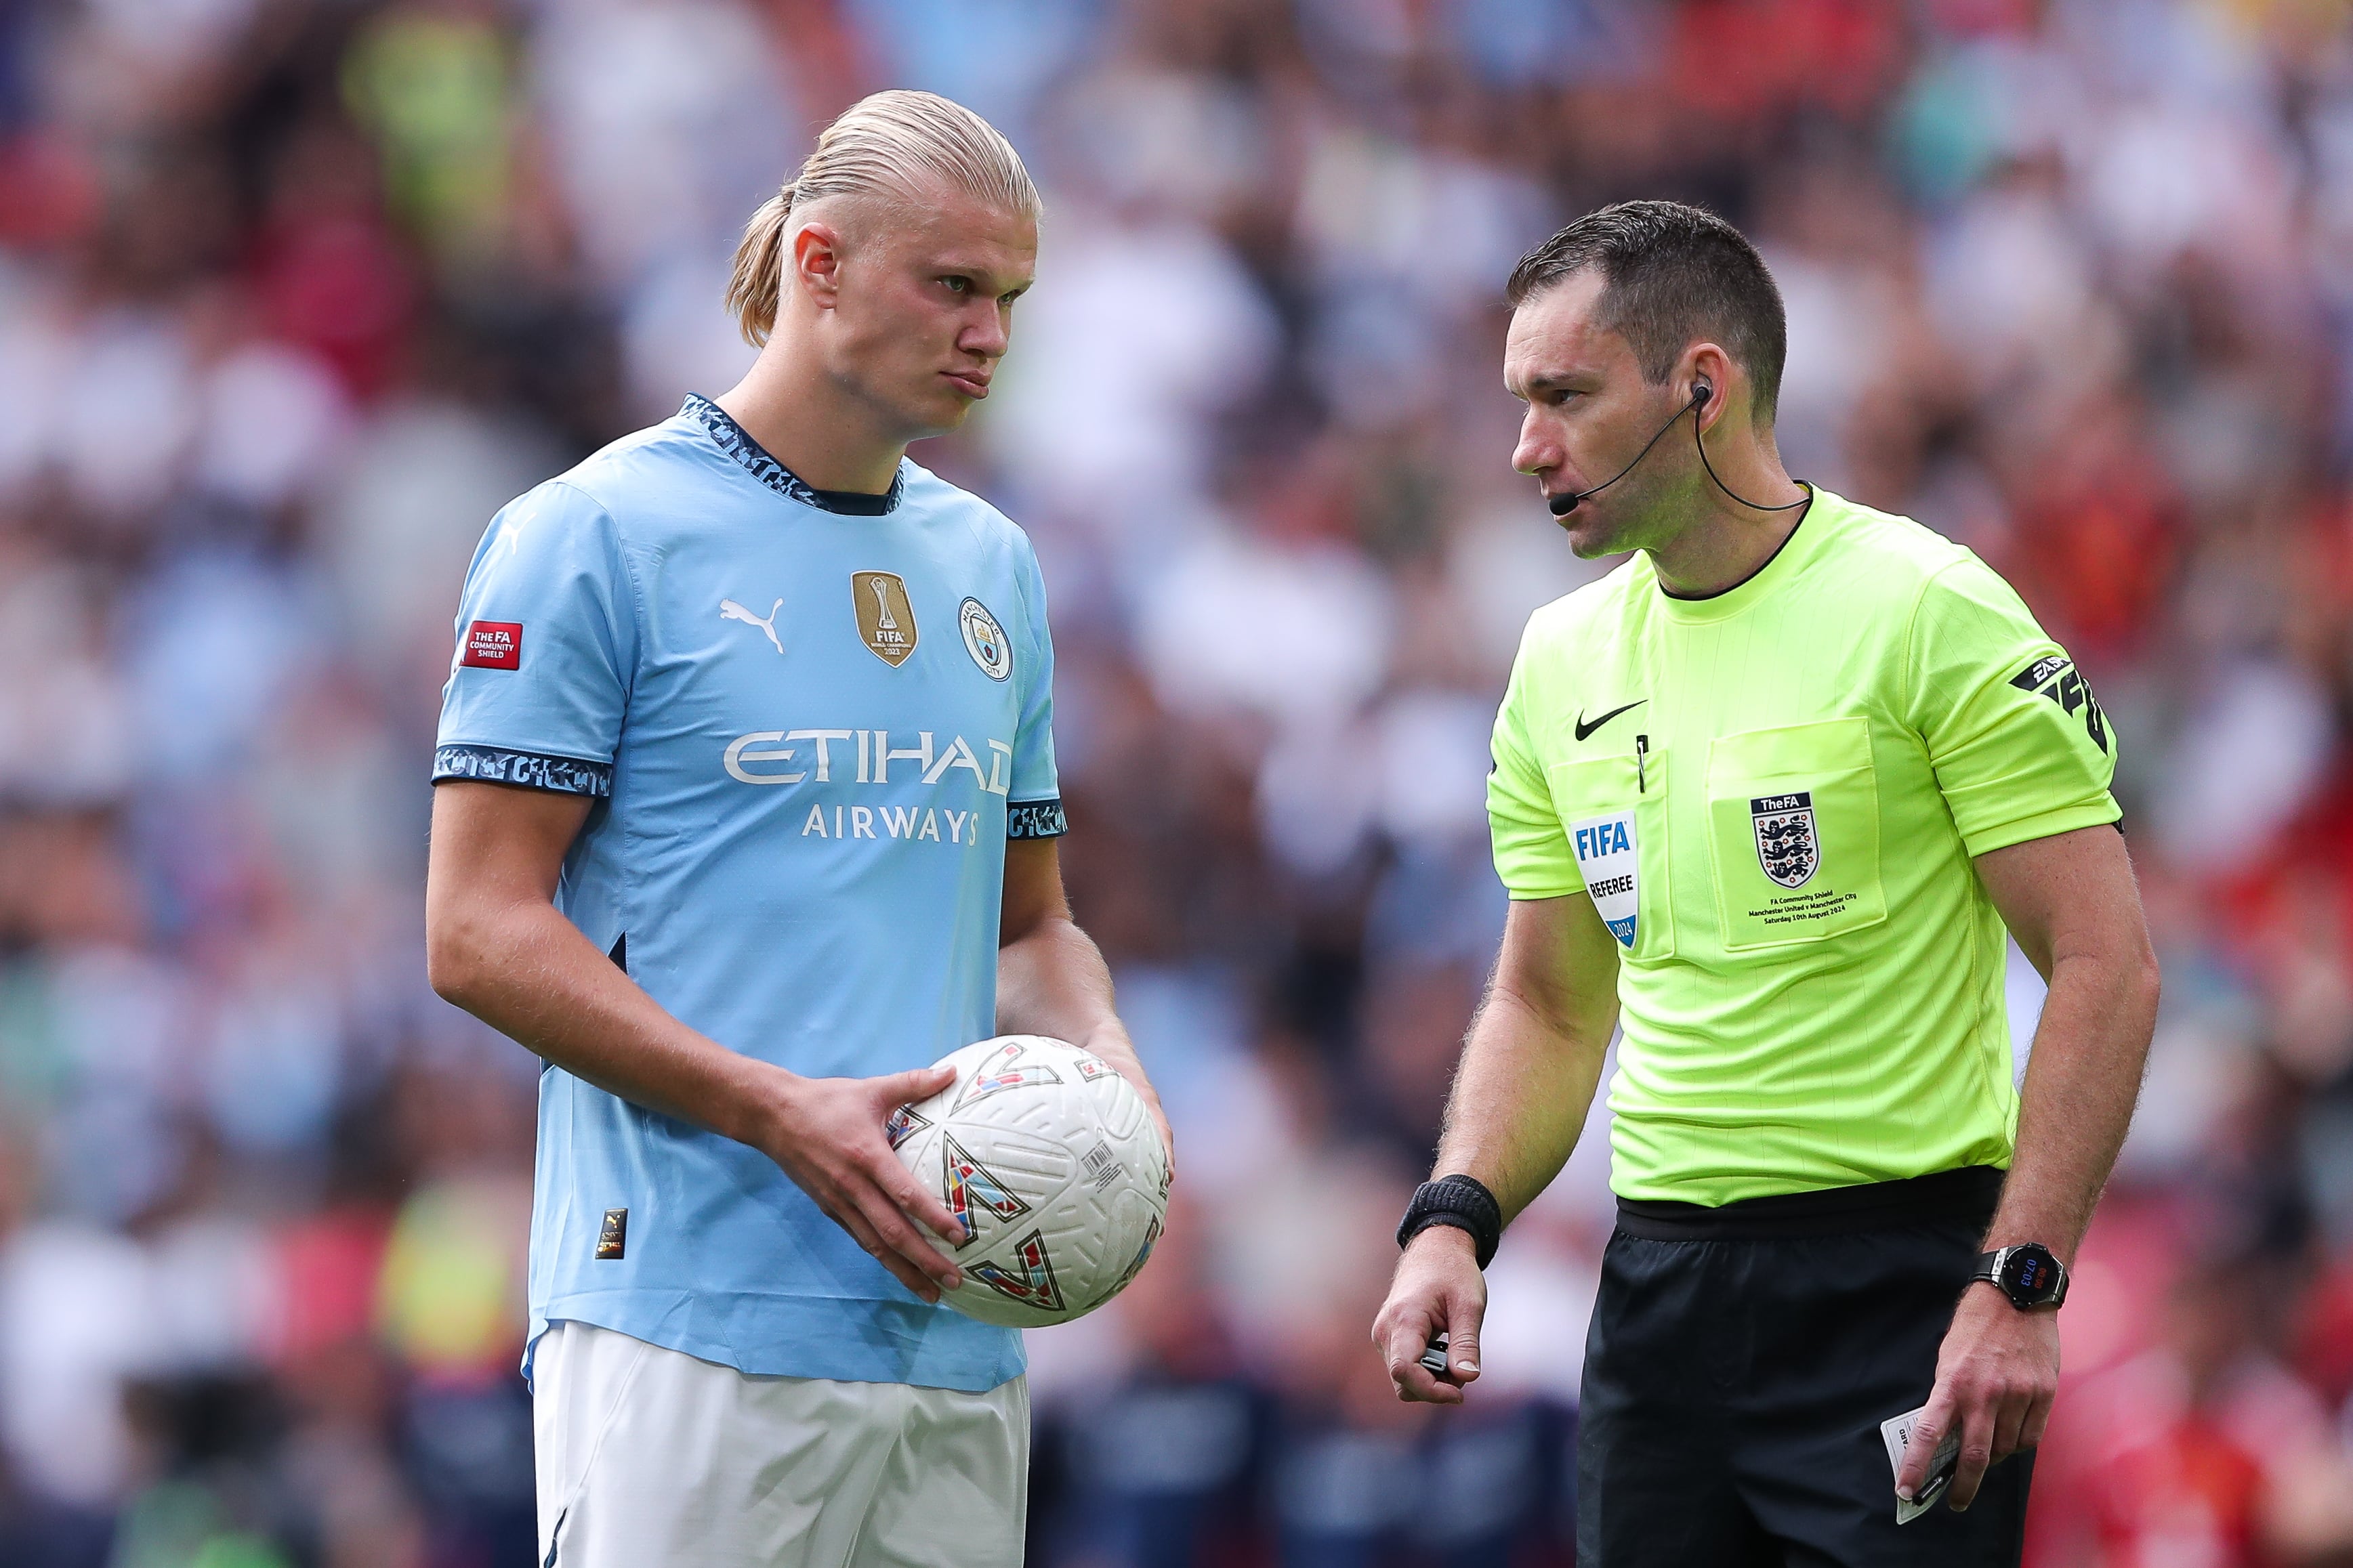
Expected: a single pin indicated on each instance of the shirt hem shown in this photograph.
(1717, 1190)
(812, 1337)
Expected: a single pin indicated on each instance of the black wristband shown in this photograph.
(1462, 1202)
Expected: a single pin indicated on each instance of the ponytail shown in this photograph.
(760, 269)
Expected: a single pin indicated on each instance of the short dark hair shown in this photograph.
(1672, 275)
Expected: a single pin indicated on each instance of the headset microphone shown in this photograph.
(1701, 390)
(1562, 505)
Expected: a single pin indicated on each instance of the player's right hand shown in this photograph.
(829, 1139)
(1437, 1290)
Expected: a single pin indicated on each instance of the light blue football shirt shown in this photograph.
(811, 722)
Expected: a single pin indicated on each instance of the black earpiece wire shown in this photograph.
(1701, 394)
(1561, 506)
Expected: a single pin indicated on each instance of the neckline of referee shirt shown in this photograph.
(1794, 552)
(737, 443)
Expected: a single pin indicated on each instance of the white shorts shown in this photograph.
(648, 1457)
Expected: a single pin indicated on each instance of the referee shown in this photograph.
(1768, 796)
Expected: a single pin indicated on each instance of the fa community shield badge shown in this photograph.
(984, 640)
(1786, 845)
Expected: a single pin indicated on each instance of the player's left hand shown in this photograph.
(1997, 1375)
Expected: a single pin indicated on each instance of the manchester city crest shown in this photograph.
(984, 640)
(1786, 843)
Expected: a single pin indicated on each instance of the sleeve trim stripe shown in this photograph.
(529, 770)
(2044, 824)
(1537, 892)
(1036, 819)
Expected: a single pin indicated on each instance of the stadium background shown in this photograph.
(293, 293)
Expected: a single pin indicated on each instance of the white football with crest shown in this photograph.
(1053, 1164)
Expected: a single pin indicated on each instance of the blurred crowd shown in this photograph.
(295, 293)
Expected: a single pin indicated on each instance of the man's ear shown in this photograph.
(1707, 362)
(816, 262)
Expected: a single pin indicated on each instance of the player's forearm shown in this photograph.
(528, 973)
(1052, 981)
(2077, 1101)
(1520, 1098)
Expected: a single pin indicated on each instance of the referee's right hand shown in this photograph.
(1437, 1290)
(829, 1139)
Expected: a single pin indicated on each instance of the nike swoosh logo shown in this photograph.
(1583, 729)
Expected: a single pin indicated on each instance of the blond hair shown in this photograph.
(891, 144)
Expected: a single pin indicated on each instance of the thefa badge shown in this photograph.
(1786, 846)
(886, 621)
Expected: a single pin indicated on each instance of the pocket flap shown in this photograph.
(1794, 751)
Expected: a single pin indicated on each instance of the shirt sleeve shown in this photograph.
(1532, 851)
(2021, 748)
(546, 647)
(1034, 807)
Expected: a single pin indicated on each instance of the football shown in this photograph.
(1051, 1162)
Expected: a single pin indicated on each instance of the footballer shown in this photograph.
(745, 812)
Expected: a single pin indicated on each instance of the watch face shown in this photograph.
(2030, 1274)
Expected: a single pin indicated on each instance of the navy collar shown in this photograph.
(737, 443)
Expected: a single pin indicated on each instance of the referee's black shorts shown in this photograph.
(1740, 1361)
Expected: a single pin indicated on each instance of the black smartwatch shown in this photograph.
(2028, 1274)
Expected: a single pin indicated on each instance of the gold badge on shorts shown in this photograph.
(886, 621)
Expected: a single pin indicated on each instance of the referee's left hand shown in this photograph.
(1996, 1375)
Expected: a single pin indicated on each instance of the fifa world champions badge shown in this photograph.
(886, 617)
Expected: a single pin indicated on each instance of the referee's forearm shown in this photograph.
(1520, 1099)
(2077, 1101)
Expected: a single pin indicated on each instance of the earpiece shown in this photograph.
(1702, 391)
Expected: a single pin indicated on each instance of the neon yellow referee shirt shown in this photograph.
(1773, 797)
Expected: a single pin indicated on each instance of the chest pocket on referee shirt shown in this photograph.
(1615, 814)
(1793, 833)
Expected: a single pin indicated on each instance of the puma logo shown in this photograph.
(729, 610)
